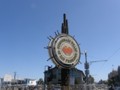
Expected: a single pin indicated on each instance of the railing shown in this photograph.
(55, 87)
(21, 87)
(73, 87)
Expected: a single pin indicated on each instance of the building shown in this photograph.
(119, 75)
(30, 82)
(8, 80)
(56, 76)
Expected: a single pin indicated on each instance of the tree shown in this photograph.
(40, 81)
(114, 81)
(90, 79)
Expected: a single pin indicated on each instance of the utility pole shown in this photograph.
(86, 66)
(14, 75)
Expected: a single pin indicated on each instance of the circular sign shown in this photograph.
(65, 51)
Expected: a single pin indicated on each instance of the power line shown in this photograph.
(113, 54)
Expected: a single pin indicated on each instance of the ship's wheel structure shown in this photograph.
(63, 49)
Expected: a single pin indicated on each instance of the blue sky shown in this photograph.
(26, 24)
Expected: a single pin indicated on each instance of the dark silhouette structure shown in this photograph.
(64, 76)
(64, 27)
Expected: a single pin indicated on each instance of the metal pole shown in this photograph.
(86, 68)
(44, 80)
(44, 76)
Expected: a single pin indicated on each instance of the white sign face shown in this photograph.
(67, 50)
(64, 51)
